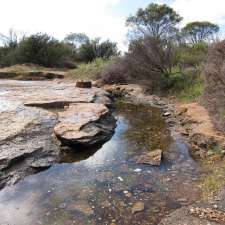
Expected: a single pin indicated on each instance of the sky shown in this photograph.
(96, 18)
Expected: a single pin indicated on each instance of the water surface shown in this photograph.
(101, 187)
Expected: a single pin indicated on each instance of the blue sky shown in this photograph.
(96, 18)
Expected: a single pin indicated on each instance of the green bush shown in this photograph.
(187, 87)
(43, 50)
(191, 56)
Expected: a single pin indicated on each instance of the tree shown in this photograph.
(93, 49)
(155, 21)
(76, 39)
(11, 39)
(196, 32)
(43, 50)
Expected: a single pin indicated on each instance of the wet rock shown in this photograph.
(84, 124)
(138, 207)
(153, 158)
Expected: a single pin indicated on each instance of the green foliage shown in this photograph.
(155, 21)
(43, 50)
(196, 32)
(187, 87)
(191, 56)
(89, 71)
(76, 39)
(93, 49)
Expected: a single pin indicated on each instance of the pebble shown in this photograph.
(138, 170)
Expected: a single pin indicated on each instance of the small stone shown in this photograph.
(166, 114)
(62, 206)
(120, 178)
(138, 207)
(137, 170)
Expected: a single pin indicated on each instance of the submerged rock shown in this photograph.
(138, 207)
(153, 158)
(85, 124)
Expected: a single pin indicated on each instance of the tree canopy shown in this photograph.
(76, 39)
(154, 21)
(196, 32)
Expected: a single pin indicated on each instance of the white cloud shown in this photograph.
(192, 10)
(59, 17)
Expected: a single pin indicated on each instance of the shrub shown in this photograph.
(89, 71)
(93, 49)
(150, 60)
(188, 87)
(191, 56)
(114, 73)
(214, 73)
(43, 50)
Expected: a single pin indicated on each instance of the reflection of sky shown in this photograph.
(112, 149)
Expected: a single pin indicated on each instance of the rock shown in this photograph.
(153, 158)
(32, 75)
(182, 111)
(84, 124)
(212, 214)
(26, 139)
(120, 179)
(138, 207)
(166, 114)
(28, 115)
(83, 84)
(182, 217)
(138, 170)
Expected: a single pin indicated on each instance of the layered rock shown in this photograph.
(85, 124)
(29, 112)
(26, 142)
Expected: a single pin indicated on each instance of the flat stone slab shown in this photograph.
(84, 124)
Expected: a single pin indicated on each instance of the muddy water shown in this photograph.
(101, 187)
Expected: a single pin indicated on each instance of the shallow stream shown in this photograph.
(103, 187)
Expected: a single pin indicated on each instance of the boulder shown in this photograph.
(84, 124)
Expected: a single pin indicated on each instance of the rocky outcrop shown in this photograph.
(32, 75)
(31, 111)
(26, 142)
(85, 124)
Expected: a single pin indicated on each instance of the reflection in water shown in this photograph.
(103, 188)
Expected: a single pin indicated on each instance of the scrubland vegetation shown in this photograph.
(168, 58)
